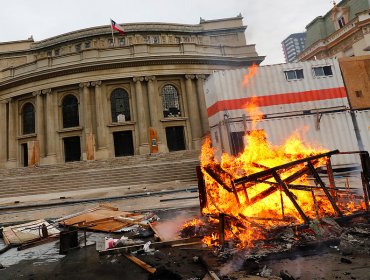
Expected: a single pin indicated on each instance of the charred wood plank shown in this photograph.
(262, 195)
(290, 196)
(217, 178)
(270, 171)
(324, 188)
(201, 188)
(329, 170)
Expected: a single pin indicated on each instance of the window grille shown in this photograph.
(120, 105)
(170, 102)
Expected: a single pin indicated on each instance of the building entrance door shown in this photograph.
(25, 154)
(175, 138)
(123, 143)
(72, 149)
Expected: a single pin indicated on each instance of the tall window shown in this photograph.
(28, 118)
(120, 105)
(341, 22)
(70, 111)
(170, 102)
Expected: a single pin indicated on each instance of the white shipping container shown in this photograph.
(274, 92)
(330, 131)
(363, 123)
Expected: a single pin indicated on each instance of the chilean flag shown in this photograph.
(117, 27)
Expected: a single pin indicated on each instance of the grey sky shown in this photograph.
(269, 21)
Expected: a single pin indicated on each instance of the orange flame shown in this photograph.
(252, 70)
(249, 221)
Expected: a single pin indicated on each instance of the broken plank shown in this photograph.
(140, 263)
(152, 226)
(37, 242)
(156, 245)
(187, 244)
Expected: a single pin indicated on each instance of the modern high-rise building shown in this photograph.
(293, 45)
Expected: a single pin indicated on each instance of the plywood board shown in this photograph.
(19, 234)
(104, 218)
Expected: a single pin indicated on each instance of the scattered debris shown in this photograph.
(29, 232)
(106, 218)
(140, 263)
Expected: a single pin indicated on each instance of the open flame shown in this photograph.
(260, 206)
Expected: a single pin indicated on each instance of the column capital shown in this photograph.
(46, 91)
(83, 85)
(96, 83)
(138, 79)
(200, 76)
(150, 78)
(36, 93)
(189, 76)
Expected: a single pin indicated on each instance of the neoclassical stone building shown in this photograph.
(86, 96)
(344, 31)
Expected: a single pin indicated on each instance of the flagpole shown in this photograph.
(112, 31)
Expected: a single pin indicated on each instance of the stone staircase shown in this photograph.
(118, 172)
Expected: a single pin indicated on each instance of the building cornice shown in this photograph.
(133, 62)
(131, 29)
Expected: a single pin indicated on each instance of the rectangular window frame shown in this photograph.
(294, 75)
(322, 71)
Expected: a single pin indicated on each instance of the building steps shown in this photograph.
(119, 172)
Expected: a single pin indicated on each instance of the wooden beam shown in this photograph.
(140, 263)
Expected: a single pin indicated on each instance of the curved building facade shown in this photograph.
(86, 95)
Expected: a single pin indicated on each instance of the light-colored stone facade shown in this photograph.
(343, 32)
(88, 65)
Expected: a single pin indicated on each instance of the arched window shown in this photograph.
(120, 105)
(70, 111)
(170, 102)
(28, 118)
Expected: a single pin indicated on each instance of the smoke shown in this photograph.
(169, 229)
(235, 264)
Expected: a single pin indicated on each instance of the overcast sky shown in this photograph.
(269, 21)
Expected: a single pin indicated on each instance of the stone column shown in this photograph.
(202, 104)
(40, 122)
(12, 141)
(152, 101)
(89, 152)
(143, 134)
(51, 127)
(154, 115)
(3, 134)
(86, 107)
(194, 116)
(101, 127)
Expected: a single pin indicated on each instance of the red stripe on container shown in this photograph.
(277, 99)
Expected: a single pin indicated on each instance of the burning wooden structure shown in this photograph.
(248, 206)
